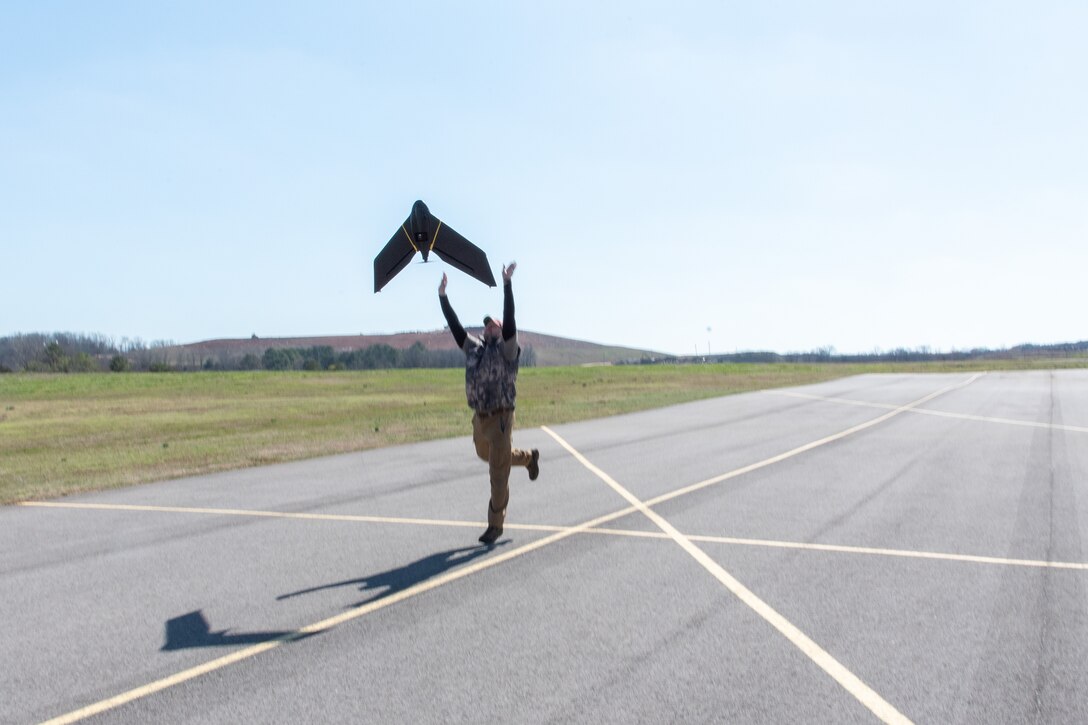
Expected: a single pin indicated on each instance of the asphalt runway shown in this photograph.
(883, 547)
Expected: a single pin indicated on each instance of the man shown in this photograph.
(491, 371)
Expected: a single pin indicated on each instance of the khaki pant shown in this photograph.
(492, 438)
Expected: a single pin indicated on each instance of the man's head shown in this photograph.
(492, 327)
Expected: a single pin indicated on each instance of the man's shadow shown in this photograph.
(192, 629)
(396, 580)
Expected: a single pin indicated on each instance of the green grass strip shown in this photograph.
(62, 434)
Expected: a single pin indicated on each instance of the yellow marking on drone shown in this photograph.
(409, 237)
(435, 239)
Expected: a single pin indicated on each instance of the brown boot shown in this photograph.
(489, 536)
(534, 465)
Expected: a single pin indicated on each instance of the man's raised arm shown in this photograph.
(459, 334)
(509, 327)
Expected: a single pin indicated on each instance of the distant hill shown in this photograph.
(547, 350)
(66, 352)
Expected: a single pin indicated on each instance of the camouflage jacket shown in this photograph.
(491, 373)
(491, 366)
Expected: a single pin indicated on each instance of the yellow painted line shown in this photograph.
(843, 549)
(806, 447)
(356, 518)
(630, 533)
(904, 553)
(159, 685)
(1003, 421)
(249, 512)
(829, 399)
(823, 659)
(322, 626)
(929, 411)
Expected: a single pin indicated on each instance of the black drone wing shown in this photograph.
(459, 252)
(394, 257)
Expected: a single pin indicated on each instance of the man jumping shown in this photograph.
(491, 373)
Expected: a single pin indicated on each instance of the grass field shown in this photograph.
(61, 434)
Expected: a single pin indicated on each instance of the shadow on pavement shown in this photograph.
(399, 579)
(192, 630)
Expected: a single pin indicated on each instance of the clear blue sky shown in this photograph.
(671, 176)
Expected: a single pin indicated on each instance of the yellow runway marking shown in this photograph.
(357, 518)
(806, 447)
(159, 685)
(848, 680)
(249, 512)
(904, 553)
(939, 413)
(597, 530)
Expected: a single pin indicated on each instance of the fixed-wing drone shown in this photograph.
(425, 233)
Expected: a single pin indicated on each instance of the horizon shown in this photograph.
(138, 343)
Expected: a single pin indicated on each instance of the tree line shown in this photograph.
(375, 357)
(67, 352)
(901, 354)
(76, 353)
